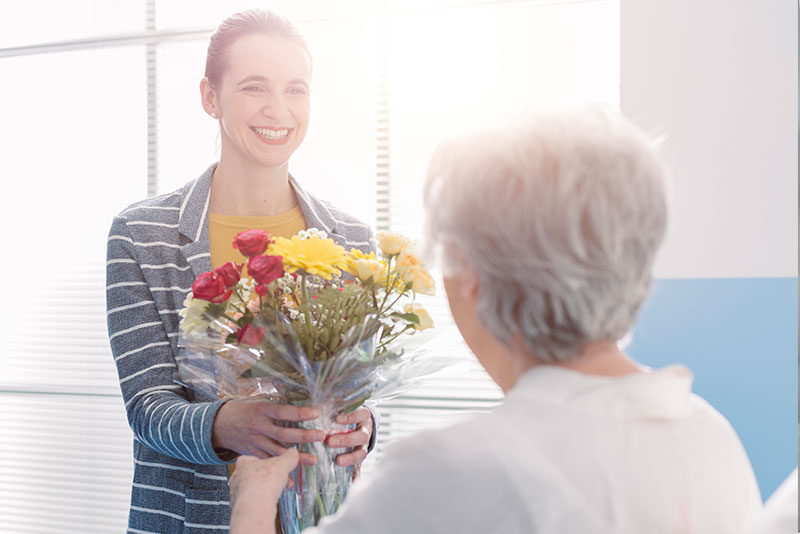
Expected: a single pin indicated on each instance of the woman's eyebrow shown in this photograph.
(253, 78)
(298, 81)
(259, 78)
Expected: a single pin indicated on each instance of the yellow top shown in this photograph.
(223, 228)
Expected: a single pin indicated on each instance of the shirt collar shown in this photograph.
(662, 393)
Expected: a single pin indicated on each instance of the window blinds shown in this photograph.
(78, 156)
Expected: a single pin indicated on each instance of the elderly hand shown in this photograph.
(358, 439)
(249, 426)
(256, 486)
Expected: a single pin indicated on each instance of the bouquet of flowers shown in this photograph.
(310, 324)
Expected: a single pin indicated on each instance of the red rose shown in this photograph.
(265, 269)
(250, 335)
(262, 289)
(251, 242)
(210, 287)
(230, 273)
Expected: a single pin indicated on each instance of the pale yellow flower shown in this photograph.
(314, 255)
(425, 320)
(353, 256)
(420, 279)
(391, 243)
(407, 259)
(410, 268)
(368, 268)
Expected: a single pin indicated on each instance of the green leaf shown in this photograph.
(296, 398)
(215, 309)
(409, 317)
(355, 405)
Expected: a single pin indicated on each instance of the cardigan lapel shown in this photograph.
(193, 222)
(316, 213)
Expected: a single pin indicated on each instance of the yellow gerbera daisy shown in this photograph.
(314, 255)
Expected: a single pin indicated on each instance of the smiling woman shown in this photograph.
(256, 86)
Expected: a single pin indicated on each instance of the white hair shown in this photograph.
(559, 216)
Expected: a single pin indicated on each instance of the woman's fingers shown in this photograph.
(291, 435)
(274, 446)
(269, 414)
(360, 415)
(253, 427)
(352, 458)
(284, 412)
(268, 447)
(357, 438)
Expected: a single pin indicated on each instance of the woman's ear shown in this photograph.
(208, 98)
(470, 285)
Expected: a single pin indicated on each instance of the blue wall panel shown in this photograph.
(739, 338)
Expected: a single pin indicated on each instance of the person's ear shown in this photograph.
(208, 98)
(470, 285)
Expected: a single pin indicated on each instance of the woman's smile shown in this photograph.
(272, 136)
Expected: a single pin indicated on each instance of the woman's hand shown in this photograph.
(249, 426)
(358, 438)
(256, 486)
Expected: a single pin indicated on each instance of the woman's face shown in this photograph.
(263, 100)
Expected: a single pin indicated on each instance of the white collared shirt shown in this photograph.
(565, 453)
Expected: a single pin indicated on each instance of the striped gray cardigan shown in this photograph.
(156, 248)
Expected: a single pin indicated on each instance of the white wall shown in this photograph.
(719, 78)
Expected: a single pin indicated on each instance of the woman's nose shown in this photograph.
(275, 106)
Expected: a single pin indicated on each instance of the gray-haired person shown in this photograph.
(546, 232)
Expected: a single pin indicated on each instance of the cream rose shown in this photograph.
(410, 268)
(391, 243)
(425, 320)
(420, 279)
(369, 268)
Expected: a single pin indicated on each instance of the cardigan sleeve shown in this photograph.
(157, 408)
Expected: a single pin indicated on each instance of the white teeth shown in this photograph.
(271, 134)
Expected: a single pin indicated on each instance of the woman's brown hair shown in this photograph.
(249, 22)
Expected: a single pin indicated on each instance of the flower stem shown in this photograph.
(384, 343)
(387, 288)
(401, 295)
(307, 314)
(228, 317)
